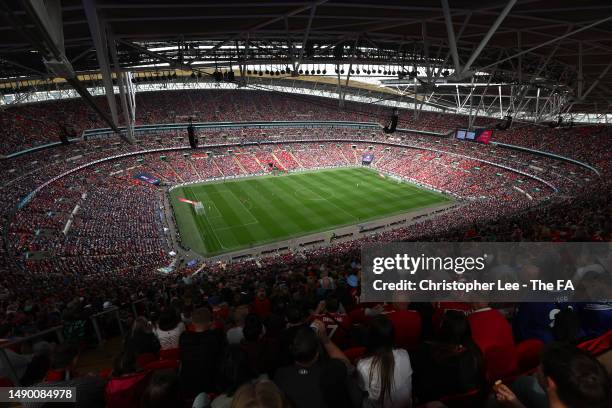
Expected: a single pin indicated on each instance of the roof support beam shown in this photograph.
(501, 108)
(98, 34)
(596, 82)
(580, 73)
(126, 95)
(426, 50)
(54, 56)
(267, 23)
(290, 48)
(305, 41)
(450, 30)
(161, 57)
(520, 58)
(544, 44)
(487, 37)
(18, 65)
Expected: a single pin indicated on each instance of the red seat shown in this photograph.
(170, 354)
(528, 355)
(125, 391)
(5, 382)
(497, 363)
(598, 345)
(469, 399)
(527, 360)
(55, 375)
(163, 365)
(354, 354)
(145, 358)
(106, 373)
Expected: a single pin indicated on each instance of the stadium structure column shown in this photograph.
(450, 31)
(98, 33)
(126, 91)
(130, 96)
(340, 90)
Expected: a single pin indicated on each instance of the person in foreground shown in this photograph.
(385, 374)
(570, 377)
(262, 394)
(89, 387)
(320, 376)
(450, 364)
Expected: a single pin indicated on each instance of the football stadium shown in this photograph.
(298, 204)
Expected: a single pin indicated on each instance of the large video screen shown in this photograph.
(484, 135)
(476, 135)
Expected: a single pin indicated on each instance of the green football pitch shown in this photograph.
(253, 211)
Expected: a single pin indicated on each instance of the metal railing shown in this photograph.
(6, 362)
(59, 333)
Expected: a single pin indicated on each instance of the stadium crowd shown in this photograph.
(298, 328)
(96, 238)
(35, 124)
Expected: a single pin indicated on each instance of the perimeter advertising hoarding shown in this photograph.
(494, 272)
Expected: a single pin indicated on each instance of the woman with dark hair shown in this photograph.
(164, 390)
(452, 364)
(169, 329)
(141, 339)
(234, 372)
(262, 351)
(386, 374)
(125, 363)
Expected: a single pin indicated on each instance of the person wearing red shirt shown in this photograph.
(337, 323)
(406, 324)
(493, 335)
(261, 304)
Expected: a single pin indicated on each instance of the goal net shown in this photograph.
(199, 208)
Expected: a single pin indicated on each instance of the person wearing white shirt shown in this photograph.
(386, 374)
(168, 330)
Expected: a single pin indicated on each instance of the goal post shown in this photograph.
(199, 208)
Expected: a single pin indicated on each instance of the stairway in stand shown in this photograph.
(242, 169)
(295, 158)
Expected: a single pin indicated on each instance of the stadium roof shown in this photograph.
(537, 54)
